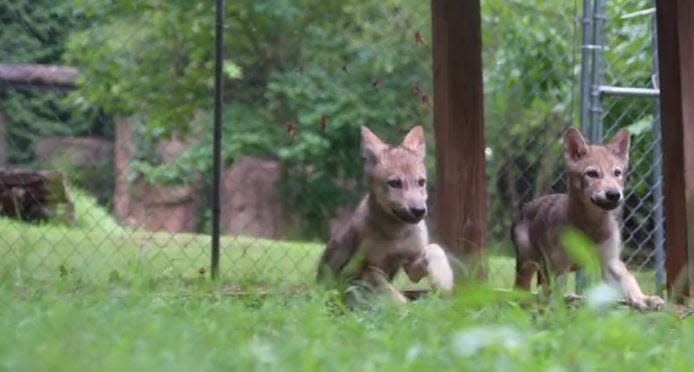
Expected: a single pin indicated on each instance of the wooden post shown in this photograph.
(123, 149)
(676, 58)
(3, 142)
(459, 130)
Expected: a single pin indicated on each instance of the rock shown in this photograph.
(249, 201)
(77, 151)
(161, 208)
(154, 207)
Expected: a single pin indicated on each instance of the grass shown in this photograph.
(104, 298)
(72, 326)
(95, 248)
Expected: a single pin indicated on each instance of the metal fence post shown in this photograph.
(596, 130)
(217, 133)
(586, 51)
(590, 85)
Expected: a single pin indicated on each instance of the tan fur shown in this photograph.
(593, 204)
(387, 231)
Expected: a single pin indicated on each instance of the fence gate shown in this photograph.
(594, 92)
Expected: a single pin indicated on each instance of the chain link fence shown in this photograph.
(126, 121)
(613, 43)
(630, 61)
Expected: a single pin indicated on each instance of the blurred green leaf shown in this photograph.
(581, 251)
(232, 70)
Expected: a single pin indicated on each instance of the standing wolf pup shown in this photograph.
(593, 204)
(387, 230)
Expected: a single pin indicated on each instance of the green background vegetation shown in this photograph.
(302, 76)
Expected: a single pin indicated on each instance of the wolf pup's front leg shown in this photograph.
(439, 268)
(338, 253)
(433, 263)
(379, 284)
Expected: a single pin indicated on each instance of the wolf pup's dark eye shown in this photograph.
(593, 174)
(396, 184)
(617, 172)
(421, 182)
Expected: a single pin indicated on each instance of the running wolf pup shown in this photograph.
(592, 205)
(387, 230)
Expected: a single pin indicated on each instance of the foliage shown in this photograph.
(90, 215)
(372, 73)
(252, 134)
(301, 76)
(152, 58)
(35, 32)
(96, 179)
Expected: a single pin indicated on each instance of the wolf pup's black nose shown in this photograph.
(613, 196)
(418, 212)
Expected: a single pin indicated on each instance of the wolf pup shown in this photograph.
(593, 204)
(387, 231)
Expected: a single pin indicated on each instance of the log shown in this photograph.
(38, 76)
(30, 195)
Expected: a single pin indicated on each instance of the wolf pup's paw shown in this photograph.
(655, 302)
(439, 268)
(573, 299)
(646, 302)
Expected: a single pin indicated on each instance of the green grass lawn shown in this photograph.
(96, 249)
(73, 326)
(100, 297)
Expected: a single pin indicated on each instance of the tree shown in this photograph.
(35, 32)
(302, 76)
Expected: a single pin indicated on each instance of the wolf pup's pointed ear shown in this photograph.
(371, 145)
(619, 145)
(414, 141)
(575, 146)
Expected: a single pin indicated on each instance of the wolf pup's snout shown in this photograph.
(410, 215)
(613, 195)
(418, 213)
(608, 200)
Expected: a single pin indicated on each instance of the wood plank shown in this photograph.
(45, 76)
(675, 28)
(461, 193)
